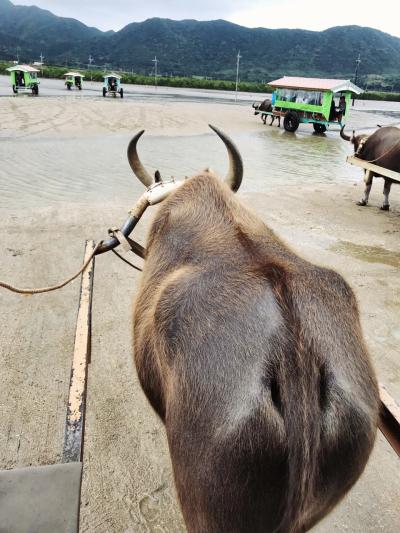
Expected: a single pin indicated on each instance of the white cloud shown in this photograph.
(316, 15)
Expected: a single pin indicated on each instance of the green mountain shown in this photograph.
(210, 49)
(27, 31)
(190, 47)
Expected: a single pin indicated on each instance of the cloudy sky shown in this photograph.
(305, 14)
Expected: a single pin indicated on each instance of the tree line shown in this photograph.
(57, 72)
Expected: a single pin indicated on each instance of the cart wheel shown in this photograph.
(69, 86)
(15, 90)
(319, 128)
(104, 92)
(121, 92)
(35, 90)
(291, 121)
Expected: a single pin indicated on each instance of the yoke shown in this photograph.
(358, 162)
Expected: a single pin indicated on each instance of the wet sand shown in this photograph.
(64, 178)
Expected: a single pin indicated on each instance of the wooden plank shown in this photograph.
(389, 422)
(356, 161)
(75, 422)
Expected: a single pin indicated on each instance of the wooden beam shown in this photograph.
(389, 422)
(356, 161)
(75, 422)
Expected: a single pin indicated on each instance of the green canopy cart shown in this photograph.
(73, 79)
(317, 101)
(24, 79)
(112, 85)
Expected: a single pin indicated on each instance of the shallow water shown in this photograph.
(38, 171)
(41, 172)
(370, 254)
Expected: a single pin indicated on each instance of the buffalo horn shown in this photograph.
(235, 173)
(135, 163)
(343, 135)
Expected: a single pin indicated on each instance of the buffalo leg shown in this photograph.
(368, 184)
(386, 192)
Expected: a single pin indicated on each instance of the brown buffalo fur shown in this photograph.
(255, 361)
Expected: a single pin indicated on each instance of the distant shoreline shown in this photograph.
(56, 72)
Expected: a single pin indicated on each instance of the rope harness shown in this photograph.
(361, 146)
(126, 245)
(154, 194)
(19, 290)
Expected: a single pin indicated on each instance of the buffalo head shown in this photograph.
(357, 140)
(158, 190)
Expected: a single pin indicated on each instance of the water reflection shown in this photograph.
(276, 156)
(37, 172)
(43, 172)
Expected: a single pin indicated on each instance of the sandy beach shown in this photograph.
(64, 178)
(80, 117)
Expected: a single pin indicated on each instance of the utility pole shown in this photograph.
(155, 61)
(90, 60)
(358, 61)
(237, 73)
(41, 62)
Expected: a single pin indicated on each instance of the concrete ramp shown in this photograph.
(42, 499)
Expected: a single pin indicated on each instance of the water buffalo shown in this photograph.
(382, 148)
(265, 105)
(254, 360)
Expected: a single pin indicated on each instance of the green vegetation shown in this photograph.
(166, 81)
(57, 72)
(372, 95)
